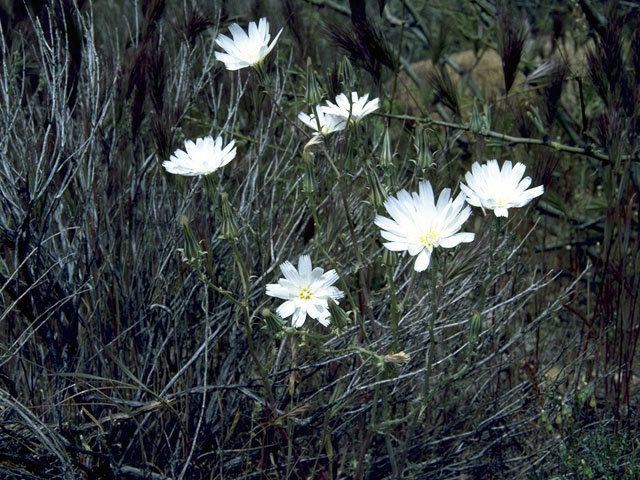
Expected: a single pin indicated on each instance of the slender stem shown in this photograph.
(203, 404)
(386, 415)
(586, 151)
(362, 281)
(217, 289)
(493, 267)
(354, 238)
(432, 323)
(292, 386)
(325, 253)
(244, 273)
(356, 246)
(427, 391)
(334, 265)
(265, 82)
(395, 309)
(412, 279)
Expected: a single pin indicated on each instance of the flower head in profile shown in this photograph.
(418, 224)
(204, 156)
(353, 110)
(327, 123)
(494, 189)
(306, 292)
(246, 50)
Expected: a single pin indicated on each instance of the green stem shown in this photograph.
(220, 290)
(356, 246)
(412, 279)
(254, 356)
(587, 151)
(432, 323)
(395, 310)
(493, 266)
(244, 273)
(334, 265)
(427, 392)
(386, 415)
(265, 82)
(361, 280)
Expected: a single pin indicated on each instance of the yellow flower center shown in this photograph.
(429, 239)
(305, 294)
(500, 201)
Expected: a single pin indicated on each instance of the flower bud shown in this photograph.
(192, 252)
(309, 179)
(377, 191)
(339, 317)
(423, 150)
(229, 225)
(314, 93)
(475, 124)
(386, 156)
(273, 322)
(346, 73)
(480, 123)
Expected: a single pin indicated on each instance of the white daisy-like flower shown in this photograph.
(498, 190)
(306, 292)
(204, 156)
(246, 50)
(328, 123)
(353, 110)
(420, 224)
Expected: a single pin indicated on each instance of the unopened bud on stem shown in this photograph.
(229, 226)
(339, 317)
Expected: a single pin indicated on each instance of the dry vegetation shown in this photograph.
(118, 359)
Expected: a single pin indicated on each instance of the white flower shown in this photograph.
(353, 110)
(306, 291)
(246, 50)
(498, 190)
(328, 123)
(419, 224)
(200, 158)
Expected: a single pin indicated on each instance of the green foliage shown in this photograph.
(596, 454)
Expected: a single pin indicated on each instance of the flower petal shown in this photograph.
(286, 309)
(304, 267)
(299, 317)
(290, 272)
(458, 238)
(278, 291)
(422, 261)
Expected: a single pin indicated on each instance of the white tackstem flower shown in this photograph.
(325, 124)
(353, 110)
(494, 189)
(247, 49)
(418, 224)
(204, 156)
(306, 292)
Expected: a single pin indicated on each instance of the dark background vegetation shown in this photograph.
(116, 360)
